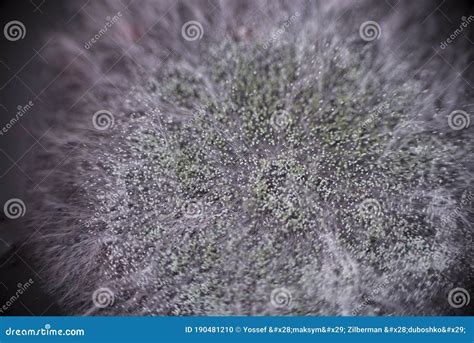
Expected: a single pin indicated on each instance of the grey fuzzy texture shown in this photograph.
(251, 162)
